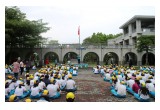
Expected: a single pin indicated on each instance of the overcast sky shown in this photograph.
(64, 21)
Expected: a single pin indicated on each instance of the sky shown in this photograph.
(64, 20)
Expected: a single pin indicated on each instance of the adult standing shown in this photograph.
(21, 66)
(16, 67)
(27, 66)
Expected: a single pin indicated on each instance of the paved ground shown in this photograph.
(92, 88)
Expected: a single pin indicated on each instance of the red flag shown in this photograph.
(79, 30)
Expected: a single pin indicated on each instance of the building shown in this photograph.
(133, 28)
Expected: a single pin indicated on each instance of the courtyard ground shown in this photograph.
(91, 88)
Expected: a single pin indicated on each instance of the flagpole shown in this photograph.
(79, 42)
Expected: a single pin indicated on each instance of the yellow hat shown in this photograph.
(143, 84)
(52, 80)
(45, 92)
(28, 100)
(21, 83)
(70, 76)
(113, 78)
(59, 76)
(122, 82)
(31, 77)
(35, 81)
(10, 77)
(20, 78)
(12, 98)
(70, 95)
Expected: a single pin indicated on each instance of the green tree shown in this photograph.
(53, 42)
(145, 43)
(19, 31)
(99, 38)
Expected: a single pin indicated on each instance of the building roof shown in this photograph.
(134, 18)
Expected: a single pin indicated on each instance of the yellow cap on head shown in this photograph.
(12, 98)
(113, 78)
(122, 82)
(143, 84)
(70, 95)
(70, 76)
(35, 81)
(52, 80)
(31, 77)
(59, 76)
(10, 77)
(28, 100)
(45, 92)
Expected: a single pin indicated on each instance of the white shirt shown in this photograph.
(70, 84)
(21, 64)
(153, 81)
(119, 77)
(19, 91)
(108, 76)
(130, 83)
(121, 90)
(28, 87)
(150, 87)
(143, 96)
(52, 89)
(31, 83)
(96, 70)
(12, 86)
(35, 91)
(7, 90)
(18, 82)
(63, 82)
(74, 72)
(41, 85)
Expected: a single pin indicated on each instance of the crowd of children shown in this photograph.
(45, 84)
(138, 82)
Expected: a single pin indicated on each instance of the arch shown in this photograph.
(11, 57)
(130, 57)
(151, 59)
(110, 58)
(69, 56)
(52, 57)
(33, 57)
(91, 57)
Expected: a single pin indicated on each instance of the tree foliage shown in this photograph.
(53, 42)
(99, 38)
(20, 31)
(145, 43)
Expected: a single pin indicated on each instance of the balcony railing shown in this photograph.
(76, 46)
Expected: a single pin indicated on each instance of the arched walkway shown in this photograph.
(70, 56)
(52, 57)
(33, 57)
(131, 57)
(110, 58)
(91, 57)
(151, 59)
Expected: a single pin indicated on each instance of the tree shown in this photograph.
(19, 31)
(99, 38)
(145, 43)
(53, 42)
